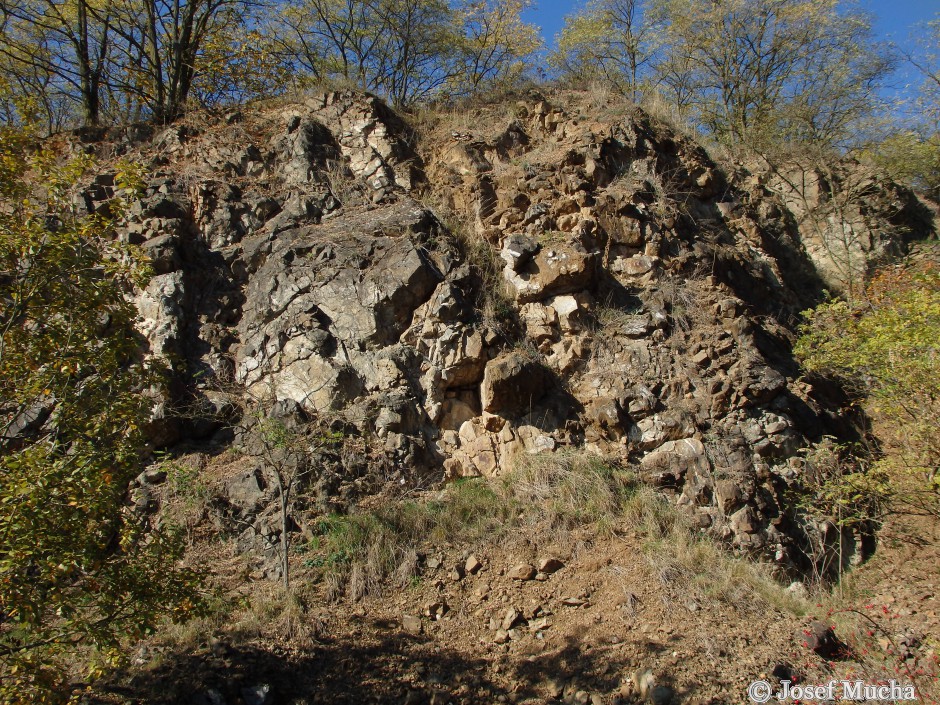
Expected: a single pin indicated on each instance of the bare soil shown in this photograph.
(602, 629)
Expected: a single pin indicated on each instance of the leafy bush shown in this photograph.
(911, 158)
(886, 346)
(76, 566)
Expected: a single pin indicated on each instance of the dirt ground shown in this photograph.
(613, 624)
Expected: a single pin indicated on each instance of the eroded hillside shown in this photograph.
(432, 299)
(540, 278)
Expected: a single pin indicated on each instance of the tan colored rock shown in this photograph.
(656, 430)
(436, 610)
(728, 495)
(550, 565)
(463, 362)
(473, 565)
(743, 521)
(570, 313)
(565, 206)
(411, 624)
(534, 440)
(470, 430)
(681, 455)
(455, 414)
(635, 266)
(482, 455)
(606, 415)
(511, 619)
(559, 269)
(522, 571)
(569, 353)
(513, 384)
(540, 321)
(568, 223)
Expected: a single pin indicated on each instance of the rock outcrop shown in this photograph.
(646, 297)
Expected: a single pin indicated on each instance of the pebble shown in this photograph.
(411, 624)
(473, 565)
(523, 571)
(550, 565)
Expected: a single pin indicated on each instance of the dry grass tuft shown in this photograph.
(547, 498)
(564, 490)
(358, 553)
(494, 301)
(689, 563)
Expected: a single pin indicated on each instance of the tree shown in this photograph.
(885, 346)
(76, 566)
(409, 50)
(66, 40)
(496, 43)
(417, 56)
(125, 59)
(402, 50)
(239, 66)
(927, 62)
(613, 40)
(161, 46)
(912, 155)
(29, 94)
(288, 452)
(805, 70)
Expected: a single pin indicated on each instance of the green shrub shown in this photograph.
(885, 346)
(77, 568)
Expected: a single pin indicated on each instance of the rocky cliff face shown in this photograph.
(519, 279)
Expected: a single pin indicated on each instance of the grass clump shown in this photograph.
(564, 490)
(692, 565)
(357, 552)
(552, 493)
(185, 496)
(546, 498)
(492, 298)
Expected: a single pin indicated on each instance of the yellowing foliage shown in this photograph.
(76, 566)
(612, 40)
(888, 344)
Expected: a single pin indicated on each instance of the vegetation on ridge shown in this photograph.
(77, 568)
(885, 346)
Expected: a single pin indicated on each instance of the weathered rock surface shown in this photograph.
(652, 298)
(512, 385)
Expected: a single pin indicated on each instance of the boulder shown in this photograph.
(559, 269)
(318, 302)
(658, 429)
(513, 384)
(677, 458)
(523, 571)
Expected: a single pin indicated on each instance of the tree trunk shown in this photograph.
(87, 78)
(285, 544)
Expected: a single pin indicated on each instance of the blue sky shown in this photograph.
(893, 21)
(893, 17)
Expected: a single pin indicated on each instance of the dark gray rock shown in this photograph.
(257, 694)
(246, 491)
(662, 695)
